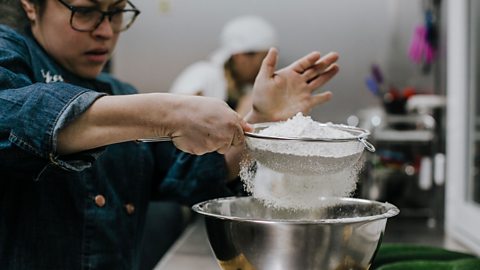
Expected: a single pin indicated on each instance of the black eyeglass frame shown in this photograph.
(108, 14)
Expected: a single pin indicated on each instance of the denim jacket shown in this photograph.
(86, 210)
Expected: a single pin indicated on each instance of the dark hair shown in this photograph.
(13, 14)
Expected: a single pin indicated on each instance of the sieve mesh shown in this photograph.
(307, 156)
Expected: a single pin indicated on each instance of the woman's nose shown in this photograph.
(104, 29)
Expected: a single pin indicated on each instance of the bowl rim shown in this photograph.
(391, 210)
(361, 133)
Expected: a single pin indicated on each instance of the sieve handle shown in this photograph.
(367, 144)
(158, 139)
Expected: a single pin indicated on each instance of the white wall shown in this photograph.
(170, 34)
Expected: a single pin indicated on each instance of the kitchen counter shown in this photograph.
(190, 251)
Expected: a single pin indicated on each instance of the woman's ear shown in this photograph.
(30, 10)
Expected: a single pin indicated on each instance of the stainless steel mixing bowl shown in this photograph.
(245, 234)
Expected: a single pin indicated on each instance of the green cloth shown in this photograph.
(417, 257)
(462, 264)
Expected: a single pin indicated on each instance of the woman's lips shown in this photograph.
(98, 56)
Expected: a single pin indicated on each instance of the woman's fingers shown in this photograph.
(321, 98)
(315, 62)
(320, 67)
(323, 78)
(310, 74)
(269, 64)
(238, 137)
(246, 127)
(327, 60)
(304, 63)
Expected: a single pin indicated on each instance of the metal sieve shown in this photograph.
(308, 156)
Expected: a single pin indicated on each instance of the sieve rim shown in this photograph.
(362, 133)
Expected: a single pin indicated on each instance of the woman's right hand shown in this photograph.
(204, 124)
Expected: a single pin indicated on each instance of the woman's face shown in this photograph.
(82, 53)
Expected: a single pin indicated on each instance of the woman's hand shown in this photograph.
(280, 95)
(205, 124)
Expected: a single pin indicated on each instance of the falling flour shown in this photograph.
(295, 190)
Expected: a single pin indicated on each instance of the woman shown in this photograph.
(74, 182)
(231, 70)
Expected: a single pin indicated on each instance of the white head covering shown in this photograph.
(244, 34)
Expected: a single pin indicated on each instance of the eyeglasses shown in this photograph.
(87, 19)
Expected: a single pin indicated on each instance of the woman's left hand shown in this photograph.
(280, 95)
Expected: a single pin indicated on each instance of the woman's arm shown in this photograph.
(195, 124)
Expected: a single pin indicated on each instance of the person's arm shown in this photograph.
(195, 124)
(279, 95)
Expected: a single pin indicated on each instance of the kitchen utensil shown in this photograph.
(158, 139)
(307, 156)
(245, 234)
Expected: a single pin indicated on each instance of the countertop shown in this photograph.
(190, 251)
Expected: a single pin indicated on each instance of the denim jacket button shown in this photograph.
(130, 208)
(100, 200)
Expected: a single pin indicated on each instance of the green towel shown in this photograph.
(408, 256)
(462, 264)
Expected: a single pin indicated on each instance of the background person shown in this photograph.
(231, 70)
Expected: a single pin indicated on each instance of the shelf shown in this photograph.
(403, 136)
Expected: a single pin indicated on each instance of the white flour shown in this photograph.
(292, 189)
(301, 126)
(304, 127)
